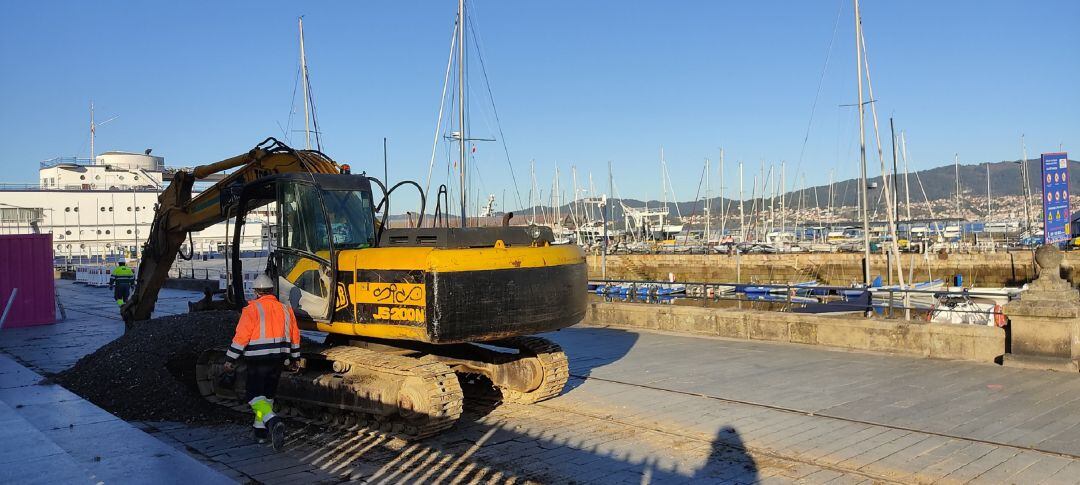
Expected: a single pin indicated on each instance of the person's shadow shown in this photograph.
(728, 462)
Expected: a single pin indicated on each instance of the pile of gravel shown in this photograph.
(148, 374)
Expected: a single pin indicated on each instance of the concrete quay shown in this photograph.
(1002, 268)
(646, 406)
(938, 341)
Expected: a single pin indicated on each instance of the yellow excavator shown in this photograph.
(405, 311)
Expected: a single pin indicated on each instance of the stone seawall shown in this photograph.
(1003, 268)
(938, 341)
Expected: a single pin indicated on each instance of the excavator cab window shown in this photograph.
(317, 221)
(302, 259)
(350, 215)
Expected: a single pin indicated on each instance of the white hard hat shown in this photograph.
(263, 282)
(121, 261)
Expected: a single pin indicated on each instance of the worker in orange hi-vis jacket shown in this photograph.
(268, 339)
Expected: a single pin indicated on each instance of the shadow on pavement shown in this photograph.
(600, 346)
(509, 444)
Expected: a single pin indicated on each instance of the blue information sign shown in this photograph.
(1055, 198)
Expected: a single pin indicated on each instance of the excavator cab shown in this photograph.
(317, 216)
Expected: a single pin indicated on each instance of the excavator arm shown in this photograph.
(178, 214)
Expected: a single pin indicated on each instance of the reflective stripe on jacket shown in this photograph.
(267, 329)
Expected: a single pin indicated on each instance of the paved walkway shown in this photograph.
(50, 435)
(659, 408)
(899, 418)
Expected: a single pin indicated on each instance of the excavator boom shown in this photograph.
(178, 214)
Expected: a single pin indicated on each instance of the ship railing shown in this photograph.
(886, 301)
(53, 162)
(10, 187)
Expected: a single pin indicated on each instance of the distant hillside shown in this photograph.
(938, 183)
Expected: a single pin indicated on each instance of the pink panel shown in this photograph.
(26, 263)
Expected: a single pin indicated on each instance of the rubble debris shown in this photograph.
(148, 374)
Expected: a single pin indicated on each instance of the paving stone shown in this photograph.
(955, 461)
(1006, 470)
(980, 466)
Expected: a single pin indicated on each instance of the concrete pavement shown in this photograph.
(647, 407)
(50, 435)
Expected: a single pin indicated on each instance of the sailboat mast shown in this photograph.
(830, 213)
(1026, 187)
(663, 185)
(742, 210)
(895, 182)
(907, 186)
(304, 78)
(723, 203)
(461, 105)
(783, 203)
(708, 204)
(862, 149)
(532, 190)
(956, 170)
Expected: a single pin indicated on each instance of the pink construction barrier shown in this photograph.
(26, 264)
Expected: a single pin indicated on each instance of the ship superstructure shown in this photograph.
(101, 209)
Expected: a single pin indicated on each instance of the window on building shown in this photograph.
(24, 215)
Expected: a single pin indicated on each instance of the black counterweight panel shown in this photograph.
(482, 305)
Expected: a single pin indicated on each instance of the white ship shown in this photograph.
(102, 209)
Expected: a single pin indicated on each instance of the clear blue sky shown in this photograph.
(575, 82)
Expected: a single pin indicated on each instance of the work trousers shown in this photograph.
(262, 378)
(261, 387)
(121, 292)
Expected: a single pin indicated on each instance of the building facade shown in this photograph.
(102, 209)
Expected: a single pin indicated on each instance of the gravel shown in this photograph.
(148, 374)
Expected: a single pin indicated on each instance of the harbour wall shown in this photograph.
(1002, 268)
(939, 341)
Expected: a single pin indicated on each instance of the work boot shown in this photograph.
(277, 432)
(261, 435)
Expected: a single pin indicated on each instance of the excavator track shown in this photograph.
(556, 368)
(355, 389)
